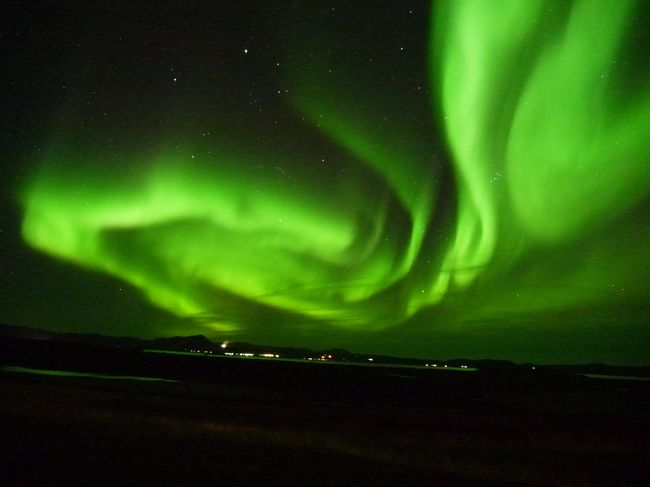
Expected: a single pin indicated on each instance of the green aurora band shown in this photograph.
(547, 139)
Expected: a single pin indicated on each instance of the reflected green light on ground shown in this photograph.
(68, 373)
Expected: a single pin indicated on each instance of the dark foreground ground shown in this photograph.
(238, 422)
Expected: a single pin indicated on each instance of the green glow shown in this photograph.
(180, 228)
(592, 151)
(543, 133)
(546, 143)
(400, 164)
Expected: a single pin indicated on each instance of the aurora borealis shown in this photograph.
(454, 179)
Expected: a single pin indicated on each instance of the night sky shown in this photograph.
(465, 178)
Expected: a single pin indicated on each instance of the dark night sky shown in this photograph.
(422, 180)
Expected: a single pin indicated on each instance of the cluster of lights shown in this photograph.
(249, 354)
(326, 357)
(323, 358)
(224, 345)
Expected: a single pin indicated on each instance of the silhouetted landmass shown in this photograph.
(194, 342)
(201, 344)
(87, 338)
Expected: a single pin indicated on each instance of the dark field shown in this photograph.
(239, 422)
